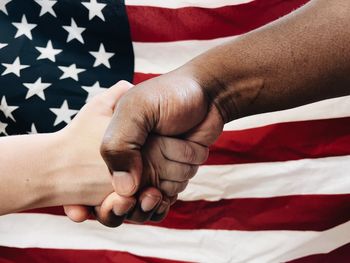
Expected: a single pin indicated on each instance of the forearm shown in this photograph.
(29, 166)
(45, 170)
(301, 58)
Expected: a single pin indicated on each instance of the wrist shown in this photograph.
(29, 170)
(82, 176)
(61, 161)
(230, 79)
(57, 161)
(41, 171)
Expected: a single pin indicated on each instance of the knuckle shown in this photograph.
(97, 100)
(173, 188)
(189, 153)
(167, 187)
(205, 155)
(115, 143)
(107, 147)
(190, 171)
(182, 187)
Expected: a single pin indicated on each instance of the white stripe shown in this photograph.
(327, 109)
(47, 231)
(162, 57)
(186, 3)
(307, 176)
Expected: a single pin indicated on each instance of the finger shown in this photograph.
(172, 199)
(157, 167)
(114, 93)
(123, 139)
(183, 151)
(77, 213)
(162, 210)
(105, 102)
(177, 172)
(171, 188)
(149, 200)
(113, 210)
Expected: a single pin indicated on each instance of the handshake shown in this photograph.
(125, 156)
(132, 150)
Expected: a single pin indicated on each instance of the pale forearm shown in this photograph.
(29, 166)
(47, 170)
(301, 58)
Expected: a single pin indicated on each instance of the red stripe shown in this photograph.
(283, 142)
(56, 210)
(340, 255)
(37, 255)
(140, 77)
(308, 212)
(154, 24)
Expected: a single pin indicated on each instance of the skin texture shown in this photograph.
(169, 164)
(66, 168)
(301, 58)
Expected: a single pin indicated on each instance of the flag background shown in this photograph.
(276, 187)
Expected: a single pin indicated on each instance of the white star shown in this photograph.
(63, 114)
(3, 4)
(102, 57)
(93, 90)
(14, 68)
(48, 52)
(71, 72)
(33, 129)
(2, 45)
(6, 109)
(74, 32)
(24, 28)
(46, 7)
(3, 128)
(95, 9)
(36, 88)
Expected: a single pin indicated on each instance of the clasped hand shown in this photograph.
(147, 167)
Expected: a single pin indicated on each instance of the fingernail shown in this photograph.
(149, 202)
(121, 210)
(124, 183)
(163, 206)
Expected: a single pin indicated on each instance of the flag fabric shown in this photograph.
(275, 187)
(55, 55)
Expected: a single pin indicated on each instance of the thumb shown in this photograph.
(103, 103)
(133, 119)
(108, 99)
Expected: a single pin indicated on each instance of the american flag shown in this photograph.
(55, 55)
(276, 187)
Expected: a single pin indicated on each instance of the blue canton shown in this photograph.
(55, 55)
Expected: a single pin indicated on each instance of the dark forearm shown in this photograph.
(301, 58)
